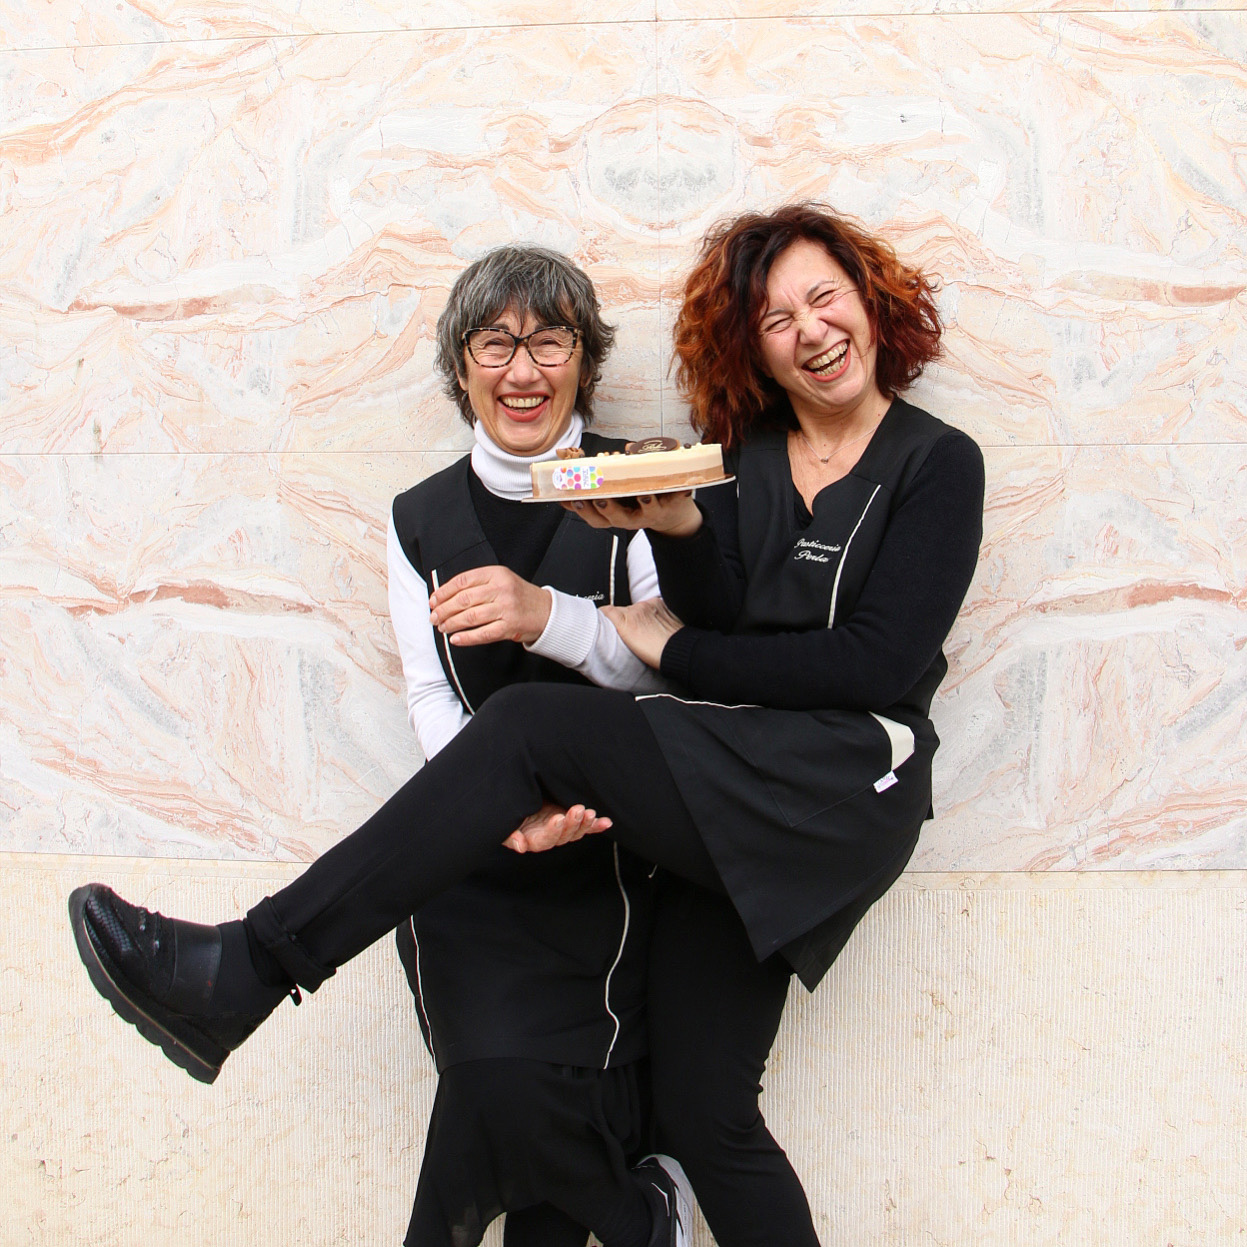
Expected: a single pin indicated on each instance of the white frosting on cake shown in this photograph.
(665, 469)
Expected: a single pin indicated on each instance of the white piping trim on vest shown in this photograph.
(688, 701)
(844, 558)
(900, 737)
(614, 553)
(450, 661)
(623, 940)
(428, 1026)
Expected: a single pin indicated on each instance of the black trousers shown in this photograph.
(549, 1145)
(568, 744)
(713, 1012)
(527, 744)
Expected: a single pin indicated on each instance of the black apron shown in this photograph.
(540, 955)
(809, 815)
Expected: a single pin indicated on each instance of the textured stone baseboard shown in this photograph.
(995, 1060)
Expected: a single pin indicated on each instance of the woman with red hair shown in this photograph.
(804, 616)
(817, 596)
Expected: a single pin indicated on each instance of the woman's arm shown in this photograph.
(433, 708)
(436, 713)
(702, 577)
(906, 609)
(580, 636)
(699, 569)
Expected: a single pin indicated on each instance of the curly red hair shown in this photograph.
(716, 332)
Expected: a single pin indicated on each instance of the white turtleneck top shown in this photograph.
(577, 634)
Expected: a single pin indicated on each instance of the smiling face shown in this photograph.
(524, 407)
(816, 338)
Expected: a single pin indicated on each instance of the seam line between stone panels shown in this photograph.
(662, 346)
(383, 450)
(1176, 9)
(262, 36)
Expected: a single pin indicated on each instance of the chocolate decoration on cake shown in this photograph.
(651, 445)
(570, 452)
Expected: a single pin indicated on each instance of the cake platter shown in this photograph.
(590, 495)
(652, 465)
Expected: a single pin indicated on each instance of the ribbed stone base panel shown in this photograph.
(1003, 1060)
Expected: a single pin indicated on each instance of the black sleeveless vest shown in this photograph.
(441, 536)
(539, 956)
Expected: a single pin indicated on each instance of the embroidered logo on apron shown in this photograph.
(813, 551)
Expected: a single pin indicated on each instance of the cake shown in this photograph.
(657, 463)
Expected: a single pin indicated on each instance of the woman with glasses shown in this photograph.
(792, 775)
(529, 977)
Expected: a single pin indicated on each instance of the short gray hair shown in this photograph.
(526, 279)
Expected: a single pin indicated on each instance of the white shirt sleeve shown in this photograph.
(579, 636)
(433, 708)
(642, 574)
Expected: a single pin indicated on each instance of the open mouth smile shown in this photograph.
(830, 362)
(523, 406)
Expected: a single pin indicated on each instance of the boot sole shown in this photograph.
(683, 1196)
(168, 1031)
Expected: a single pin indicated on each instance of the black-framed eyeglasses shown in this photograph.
(495, 348)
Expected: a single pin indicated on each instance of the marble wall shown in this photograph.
(228, 232)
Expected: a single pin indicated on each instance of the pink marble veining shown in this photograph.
(1094, 711)
(196, 652)
(244, 246)
(229, 233)
(1075, 182)
(674, 10)
(80, 23)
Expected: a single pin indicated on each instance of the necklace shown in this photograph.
(838, 449)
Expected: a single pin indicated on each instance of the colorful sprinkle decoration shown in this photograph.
(575, 477)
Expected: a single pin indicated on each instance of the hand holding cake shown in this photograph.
(675, 515)
(648, 486)
(641, 488)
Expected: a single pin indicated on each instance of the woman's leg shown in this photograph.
(713, 1014)
(198, 991)
(542, 1226)
(529, 743)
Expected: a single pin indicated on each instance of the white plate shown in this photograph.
(588, 495)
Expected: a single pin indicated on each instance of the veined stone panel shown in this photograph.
(676, 10)
(76, 23)
(79, 23)
(244, 244)
(1074, 181)
(196, 652)
(233, 248)
(1093, 716)
(198, 661)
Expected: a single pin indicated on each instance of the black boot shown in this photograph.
(670, 1195)
(161, 975)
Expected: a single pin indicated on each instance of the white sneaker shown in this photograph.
(668, 1178)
